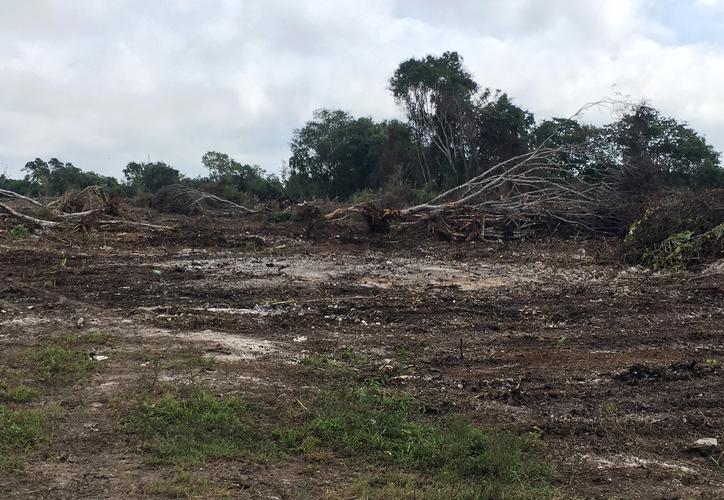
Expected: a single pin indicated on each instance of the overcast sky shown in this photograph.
(104, 82)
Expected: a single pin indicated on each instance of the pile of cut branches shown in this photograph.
(679, 230)
(183, 200)
(90, 208)
(530, 195)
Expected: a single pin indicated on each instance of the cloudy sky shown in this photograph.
(104, 82)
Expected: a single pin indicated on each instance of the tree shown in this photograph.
(38, 173)
(334, 155)
(584, 148)
(436, 93)
(656, 151)
(497, 130)
(56, 177)
(150, 177)
(230, 175)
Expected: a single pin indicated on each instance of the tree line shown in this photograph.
(454, 130)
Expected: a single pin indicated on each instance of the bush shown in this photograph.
(19, 232)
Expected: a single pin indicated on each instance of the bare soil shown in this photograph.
(618, 368)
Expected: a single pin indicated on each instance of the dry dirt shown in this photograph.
(619, 368)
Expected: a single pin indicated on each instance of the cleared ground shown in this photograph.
(614, 372)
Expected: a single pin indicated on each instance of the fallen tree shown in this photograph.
(519, 197)
(183, 200)
(93, 209)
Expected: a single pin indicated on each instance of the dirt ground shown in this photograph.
(618, 369)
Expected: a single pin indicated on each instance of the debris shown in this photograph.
(675, 371)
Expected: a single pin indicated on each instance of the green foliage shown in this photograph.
(654, 151)
(58, 365)
(20, 186)
(496, 130)
(679, 231)
(684, 250)
(334, 155)
(229, 178)
(280, 216)
(150, 177)
(94, 337)
(19, 232)
(53, 178)
(21, 431)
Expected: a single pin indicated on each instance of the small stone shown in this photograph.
(704, 446)
(707, 442)
(80, 323)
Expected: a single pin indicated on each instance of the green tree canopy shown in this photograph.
(334, 155)
(150, 177)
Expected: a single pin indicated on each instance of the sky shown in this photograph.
(100, 83)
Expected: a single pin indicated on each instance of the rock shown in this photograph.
(704, 446)
(80, 323)
(389, 365)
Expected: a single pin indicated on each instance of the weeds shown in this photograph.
(385, 429)
(193, 426)
(19, 232)
(94, 337)
(19, 394)
(368, 425)
(184, 485)
(21, 431)
(57, 365)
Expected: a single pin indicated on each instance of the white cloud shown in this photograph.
(104, 83)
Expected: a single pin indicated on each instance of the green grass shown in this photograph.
(21, 431)
(94, 337)
(58, 365)
(19, 394)
(185, 485)
(19, 232)
(368, 426)
(386, 429)
(193, 426)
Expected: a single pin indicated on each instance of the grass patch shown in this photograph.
(58, 365)
(94, 337)
(193, 426)
(185, 485)
(368, 425)
(21, 431)
(19, 232)
(386, 429)
(19, 394)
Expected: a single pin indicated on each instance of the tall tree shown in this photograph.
(435, 93)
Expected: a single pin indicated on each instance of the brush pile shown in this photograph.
(183, 200)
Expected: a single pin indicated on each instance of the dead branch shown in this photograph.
(27, 218)
(12, 194)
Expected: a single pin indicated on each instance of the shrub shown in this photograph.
(19, 232)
